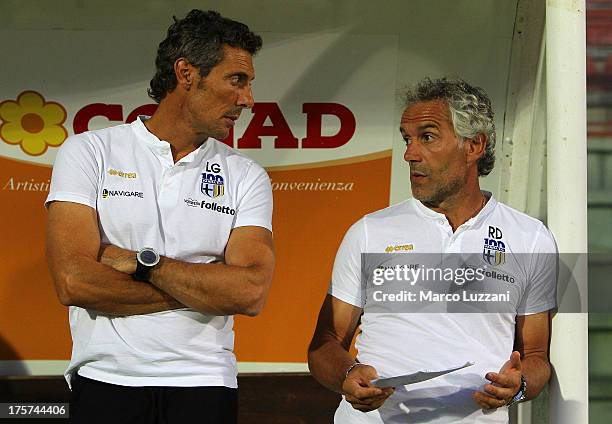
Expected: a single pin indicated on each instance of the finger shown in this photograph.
(476, 396)
(362, 405)
(515, 360)
(380, 398)
(360, 392)
(388, 391)
(367, 406)
(364, 408)
(356, 402)
(501, 393)
(370, 399)
(504, 380)
(486, 401)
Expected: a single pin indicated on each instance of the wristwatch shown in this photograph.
(520, 395)
(146, 259)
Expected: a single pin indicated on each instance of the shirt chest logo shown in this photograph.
(399, 248)
(494, 250)
(122, 174)
(106, 193)
(212, 183)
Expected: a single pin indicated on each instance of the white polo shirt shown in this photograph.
(184, 210)
(401, 342)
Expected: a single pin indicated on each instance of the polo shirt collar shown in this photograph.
(483, 213)
(162, 147)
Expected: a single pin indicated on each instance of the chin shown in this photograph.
(221, 135)
(428, 198)
(419, 195)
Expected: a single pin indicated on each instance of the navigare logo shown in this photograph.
(121, 193)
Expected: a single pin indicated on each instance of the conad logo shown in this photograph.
(251, 139)
(34, 124)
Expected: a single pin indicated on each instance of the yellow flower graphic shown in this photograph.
(33, 123)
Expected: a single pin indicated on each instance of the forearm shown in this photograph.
(92, 285)
(215, 288)
(536, 370)
(328, 363)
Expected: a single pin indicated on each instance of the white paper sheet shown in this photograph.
(402, 380)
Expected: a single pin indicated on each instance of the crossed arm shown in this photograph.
(93, 276)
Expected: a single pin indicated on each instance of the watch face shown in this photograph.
(148, 257)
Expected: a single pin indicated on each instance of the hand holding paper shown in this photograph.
(359, 391)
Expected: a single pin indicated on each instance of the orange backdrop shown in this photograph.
(308, 227)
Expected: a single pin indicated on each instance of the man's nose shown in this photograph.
(412, 153)
(246, 98)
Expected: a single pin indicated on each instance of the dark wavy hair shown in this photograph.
(199, 38)
(470, 109)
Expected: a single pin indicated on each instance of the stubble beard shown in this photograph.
(440, 191)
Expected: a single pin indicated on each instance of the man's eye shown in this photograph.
(428, 137)
(407, 141)
(237, 80)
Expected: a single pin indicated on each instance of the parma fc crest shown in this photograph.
(494, 250)
(212, 183)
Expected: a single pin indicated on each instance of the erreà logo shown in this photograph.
(494, 250)
(399, 248)
(121, 193)
(212, 183)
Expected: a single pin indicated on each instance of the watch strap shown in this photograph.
(142, 272)
(520, 395)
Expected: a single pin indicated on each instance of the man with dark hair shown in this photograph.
(158, 234)
(449, 132)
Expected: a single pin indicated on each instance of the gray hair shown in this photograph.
(470, 110)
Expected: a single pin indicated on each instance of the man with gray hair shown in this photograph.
(449, 130)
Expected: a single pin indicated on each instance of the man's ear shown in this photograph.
(184, 72)
(475, 147)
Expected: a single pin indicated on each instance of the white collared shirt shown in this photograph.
(184, 210)
(403, 342)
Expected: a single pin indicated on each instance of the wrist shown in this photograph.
(520, 395)
(127, 262)
(147, 259)
(119, 259)
(350, 368)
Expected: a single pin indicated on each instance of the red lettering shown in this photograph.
(314, 125)
(251, 139)
(147, 110)
(229, 140)
(256, 129)
(83, 116)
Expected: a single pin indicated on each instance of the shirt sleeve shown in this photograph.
(541, 291)
(76, 172)
(255, 204)
(346, 284)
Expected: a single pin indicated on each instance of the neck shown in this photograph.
(169, 124)
(461, 206)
